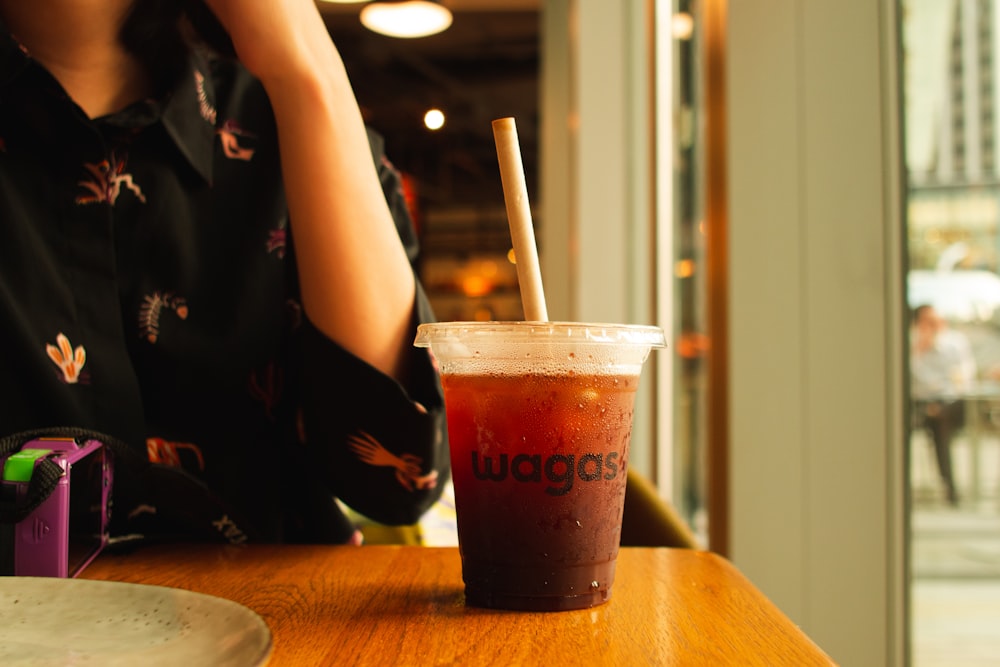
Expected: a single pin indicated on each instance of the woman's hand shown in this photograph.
(275, 39)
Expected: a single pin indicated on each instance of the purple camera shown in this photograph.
(67, 530)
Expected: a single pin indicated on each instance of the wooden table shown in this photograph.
(389, 605)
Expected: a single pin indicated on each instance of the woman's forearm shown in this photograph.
(357, 283)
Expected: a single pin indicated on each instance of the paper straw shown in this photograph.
(515, 192)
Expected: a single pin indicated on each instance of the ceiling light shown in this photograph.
(406, 18)
(434, 119)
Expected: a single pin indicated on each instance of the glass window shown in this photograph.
(953, 290)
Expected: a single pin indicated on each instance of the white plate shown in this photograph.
(48, 621)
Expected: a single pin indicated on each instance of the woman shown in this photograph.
(199, 257)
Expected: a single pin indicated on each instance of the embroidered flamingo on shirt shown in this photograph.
(407, 466)
(105, 182)
(167, 453)
(277, 238)
(152, 306)
(69, 360)
(230, 134)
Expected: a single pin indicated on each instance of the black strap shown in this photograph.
(47, 472)
(43, 481)
(13, 442)
(176, 493)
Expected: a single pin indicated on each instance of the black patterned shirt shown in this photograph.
(148, 290)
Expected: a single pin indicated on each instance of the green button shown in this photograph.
(19, 466)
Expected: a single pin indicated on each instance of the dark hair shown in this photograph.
(161, 33)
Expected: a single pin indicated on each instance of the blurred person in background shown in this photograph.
(942, 371)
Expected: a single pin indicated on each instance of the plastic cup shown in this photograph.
(539, 423)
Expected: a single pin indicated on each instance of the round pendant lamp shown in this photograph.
(406, 18)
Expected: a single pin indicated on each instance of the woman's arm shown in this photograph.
(356, 281)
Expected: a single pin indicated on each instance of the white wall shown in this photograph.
(816, 317)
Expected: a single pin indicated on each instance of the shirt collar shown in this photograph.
(189, 115)
(189, 111)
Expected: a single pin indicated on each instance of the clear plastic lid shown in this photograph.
(539, 347)
(541, 332)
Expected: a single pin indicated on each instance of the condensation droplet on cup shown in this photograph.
(594, 585)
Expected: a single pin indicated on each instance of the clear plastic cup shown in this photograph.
(539, 423)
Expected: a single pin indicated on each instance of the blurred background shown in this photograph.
(485, 65)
